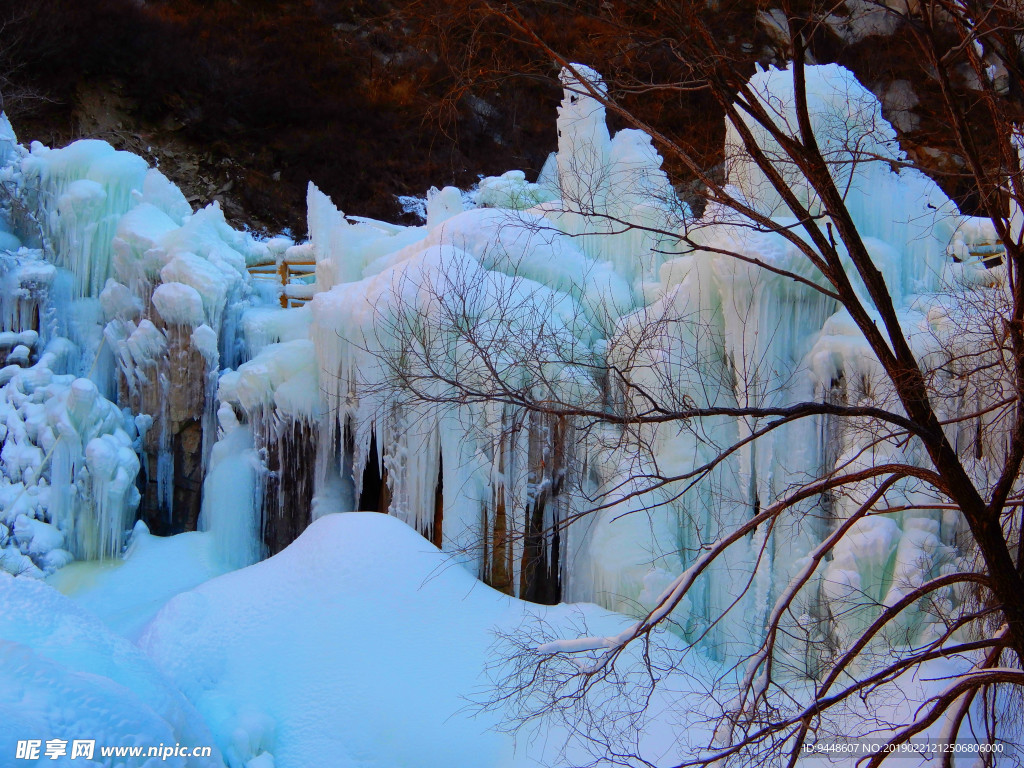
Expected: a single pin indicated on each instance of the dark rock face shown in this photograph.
(187, 446)
(288, 494)
(174, 394)
(534, 531)
(246, 102)
(374, 494)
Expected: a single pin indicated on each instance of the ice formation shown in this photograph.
(425, 343)
(68, 468)
(898, 207)
(120, 305)
(609, 192)
(416, 380)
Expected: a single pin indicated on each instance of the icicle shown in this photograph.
(83, 191)
(78, 498)
(231, 498)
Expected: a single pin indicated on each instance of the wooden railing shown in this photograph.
(285, 273)
(989, 253)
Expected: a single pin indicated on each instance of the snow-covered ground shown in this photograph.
(127, 592)
(360, 645)
(66, 675)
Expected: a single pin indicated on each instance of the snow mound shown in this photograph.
(304, 655)
(66, 676)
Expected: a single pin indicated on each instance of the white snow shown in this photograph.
(179, 304)
(313, 674)
(127, 592)
(68, 676)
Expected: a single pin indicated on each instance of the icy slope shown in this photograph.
(67, 676)
(127, 592)
(353, 647)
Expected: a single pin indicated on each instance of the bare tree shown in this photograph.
(927, 428)
(20, 31)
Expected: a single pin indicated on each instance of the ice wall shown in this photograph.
(477, 376)
(173, 317)
(81, 192)
(111, 279)
(575, 291)
(457, 471)
(728, 332)
(278, 394)
(610, 193)
(894, 205)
